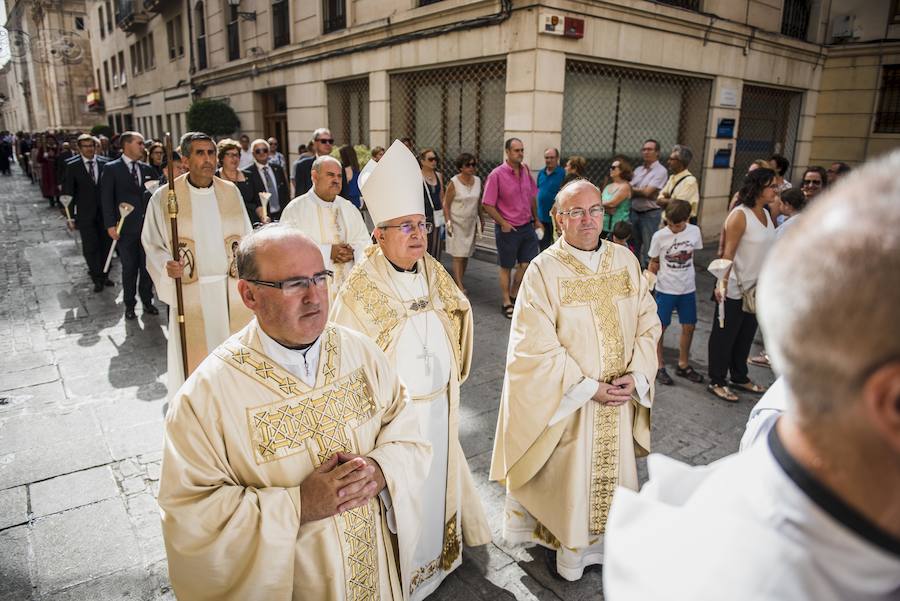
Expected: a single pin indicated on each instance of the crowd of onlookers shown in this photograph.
(646, 206)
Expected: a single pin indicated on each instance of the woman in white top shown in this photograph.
(462, 212)
(749, 234)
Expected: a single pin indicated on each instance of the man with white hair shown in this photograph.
(406, 302)
(575, 406)
(330, 220)
(812, 512)
(322, 145)
(267, 177)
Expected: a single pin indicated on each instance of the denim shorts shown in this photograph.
(517, 246)
(684, 304)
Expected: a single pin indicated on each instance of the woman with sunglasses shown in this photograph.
(462, 210)
(815, 179)
(616, 196)
(434, 192)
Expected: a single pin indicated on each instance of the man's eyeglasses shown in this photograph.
(409, 228)
(296, 286)
(326, 140)
(579, 213)
(261, 151)
(812, 182)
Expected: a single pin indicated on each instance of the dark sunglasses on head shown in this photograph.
(326, 140)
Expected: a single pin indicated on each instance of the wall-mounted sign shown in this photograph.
(722, 158)
(728, 97)
(725, 128)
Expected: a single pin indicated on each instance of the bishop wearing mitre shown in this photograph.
(406, 302)
(211, 222)
(293, 458)
(575, 406)
(330, 220)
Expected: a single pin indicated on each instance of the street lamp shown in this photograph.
(246, 16)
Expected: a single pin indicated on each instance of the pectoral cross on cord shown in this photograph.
(426, 358)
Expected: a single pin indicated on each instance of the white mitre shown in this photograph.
(394, 186)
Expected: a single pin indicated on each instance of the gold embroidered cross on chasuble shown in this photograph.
(601, 291)
(324, 416)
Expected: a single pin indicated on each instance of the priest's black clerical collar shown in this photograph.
(196, 186)
(413, 269)
(828, 501)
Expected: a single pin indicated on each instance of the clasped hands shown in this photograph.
(618, 392)
(341, 253)
(345, 481)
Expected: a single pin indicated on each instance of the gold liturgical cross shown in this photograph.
(601, 292)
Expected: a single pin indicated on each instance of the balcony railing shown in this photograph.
(685, 4)
(130, 16)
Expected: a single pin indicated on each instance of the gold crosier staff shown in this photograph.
(172, 207)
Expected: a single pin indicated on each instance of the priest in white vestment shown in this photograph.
(330, 220)
(211, 222)
(812, 510)
(575, 406)
(293, 459)
(407, 303)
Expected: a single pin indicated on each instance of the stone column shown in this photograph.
(379, 109)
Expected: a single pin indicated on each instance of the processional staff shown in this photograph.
(172, 208)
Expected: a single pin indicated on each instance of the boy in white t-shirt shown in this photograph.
(672, 260)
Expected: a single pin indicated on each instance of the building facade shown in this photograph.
(48, 76)
(736, 80)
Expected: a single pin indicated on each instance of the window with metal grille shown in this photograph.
(334, 15)
(200, 19)
(453, 110)
(610, 111)
(685, 4)
(233, 33)
(887, 119)
(795, 18)
(348, 111)
(281, 23)
(768, 125)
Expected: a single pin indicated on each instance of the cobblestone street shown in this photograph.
(82, 395)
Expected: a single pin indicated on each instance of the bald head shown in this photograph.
(269, 240)
(828, 299)
(575, 189)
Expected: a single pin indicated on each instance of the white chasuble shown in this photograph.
(242, 435)
(330, 223)
(581, 318)
(424, 324)
(213, 309)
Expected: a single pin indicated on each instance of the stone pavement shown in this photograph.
(81, 401)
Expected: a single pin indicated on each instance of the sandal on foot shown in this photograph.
(507, 311)
(723, 393)
(690, 373)
(760, 360)
(663, 377)
(749, 387)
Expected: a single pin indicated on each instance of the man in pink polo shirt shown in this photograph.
(510, 198)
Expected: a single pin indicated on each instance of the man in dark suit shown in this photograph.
(81, 181)
(123, 181)
(323, 144)
(265, 177)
